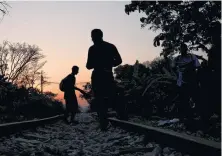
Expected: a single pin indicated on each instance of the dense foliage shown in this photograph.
(21, 63)
(20, 103)
(196, 23)
(20, 75)
(151, 90)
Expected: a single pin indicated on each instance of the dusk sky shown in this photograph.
(62, 31)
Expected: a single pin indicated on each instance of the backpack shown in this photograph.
(62, 85)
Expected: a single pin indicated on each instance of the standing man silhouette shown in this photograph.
(102, 57)
(187, 65)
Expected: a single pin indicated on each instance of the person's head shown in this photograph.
(96, 35)
(183, 49)
(75, 70)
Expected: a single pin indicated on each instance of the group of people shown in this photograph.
(103, 56)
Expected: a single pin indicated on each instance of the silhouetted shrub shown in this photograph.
(19, 102)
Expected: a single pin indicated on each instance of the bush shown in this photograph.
(30, 103)
(151, 90)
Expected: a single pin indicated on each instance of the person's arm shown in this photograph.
(80, 90)
(89, 64)
(197, 68)
(196, 62)
(76, 88)
(117, 58)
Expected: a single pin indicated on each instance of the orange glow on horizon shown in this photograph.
(66, 42)
(81, 101)
(60, 95)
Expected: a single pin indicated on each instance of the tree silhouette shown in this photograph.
(20, 63)
(124, 72)
(4, 8)
(196, 23)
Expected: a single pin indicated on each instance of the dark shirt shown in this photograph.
(103, 56)
(70, 81)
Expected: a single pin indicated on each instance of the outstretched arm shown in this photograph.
(89, 64)
(76, 88)
(117, 58)
(80, 90)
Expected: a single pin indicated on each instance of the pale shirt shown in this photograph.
(182, 64)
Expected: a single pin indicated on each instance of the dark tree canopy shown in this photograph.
(124, 72)
(21, 63)
(196, 23)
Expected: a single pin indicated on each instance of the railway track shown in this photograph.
(185, 143)
(51, 136)
(9, 128)
(84, 139)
